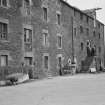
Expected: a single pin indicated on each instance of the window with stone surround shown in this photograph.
(58, 19)
(27, 7)
(4, 60)
(87, 31)
(46, 62)
(28, 61)
(4, 3)
(45, 14)
(82, 46)
(99, 49)
(87, 19)
(45, 39)
(27, 35)
(81, 29)
(94, 33)
(59, 61)
(99, 35)
(3, 31)
(75, 31)
(59, 41)
(81, 16)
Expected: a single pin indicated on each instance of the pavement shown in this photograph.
(82, 89)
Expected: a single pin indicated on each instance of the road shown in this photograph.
(82, 89)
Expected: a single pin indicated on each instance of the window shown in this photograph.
(3, 31)
(74, 12)
(99, 25)
(45, 39)
(87, 19)
(81, 29)
(94, 33)
(4, 60)
(58, 2)
(81, 16)
(58, 19)
(28, 61)
(99, 49)
(46, 62)
(87, 31)
(27, 7)
(45, 13)
(81, 45)
(27, 35)
(75, 32)
(99, 35)
(4, 3)
(59, 41)
(59, 61)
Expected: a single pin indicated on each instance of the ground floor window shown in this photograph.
(4, 60)
(46, 61)
(59, 61)
(28, 61)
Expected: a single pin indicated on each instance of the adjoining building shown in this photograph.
(38, 36)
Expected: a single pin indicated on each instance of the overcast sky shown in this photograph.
(88, 4)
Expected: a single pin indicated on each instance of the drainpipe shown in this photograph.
(72, 40)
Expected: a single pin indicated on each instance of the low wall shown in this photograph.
(4, 71)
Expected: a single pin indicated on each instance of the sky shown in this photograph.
(89, 4)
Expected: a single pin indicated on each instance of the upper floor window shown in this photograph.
(99, 35)
(4, 3)
(99, 25)
(87, 19)
(45, 13)
(81, 45)
(74, 12)
(87, 31)
(81, 29)
(45, 39)
(58, 2)
(81, 16)
(75, 32)
(59, 41)
(27, 7)
(3, 31)
(99, 49)
(58, 19)
(94, 33)
(27, 35)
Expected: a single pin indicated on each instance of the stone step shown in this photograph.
(49, 75)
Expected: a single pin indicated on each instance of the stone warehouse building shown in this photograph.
(41, 35)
